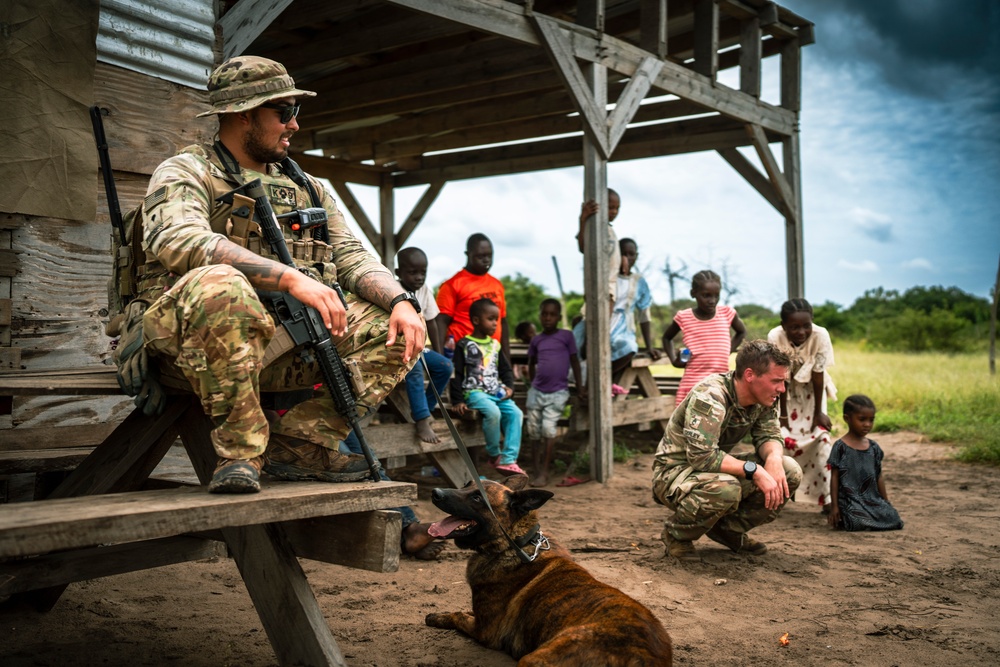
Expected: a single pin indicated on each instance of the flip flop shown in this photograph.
(572, 481)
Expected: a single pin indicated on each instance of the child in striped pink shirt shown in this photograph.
(706, 333)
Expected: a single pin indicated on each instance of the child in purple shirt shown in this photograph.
(550, 356)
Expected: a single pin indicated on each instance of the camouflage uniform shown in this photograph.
(206, 325)
(708, 424)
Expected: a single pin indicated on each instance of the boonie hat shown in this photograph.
(245, 82)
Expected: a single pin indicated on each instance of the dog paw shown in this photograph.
(438, 620)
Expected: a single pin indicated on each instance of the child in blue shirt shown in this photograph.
(484, 382)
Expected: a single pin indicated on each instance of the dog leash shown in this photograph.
(535, 535)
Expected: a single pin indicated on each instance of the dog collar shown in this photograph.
(536, 538)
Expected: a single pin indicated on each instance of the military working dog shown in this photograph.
(549, 611)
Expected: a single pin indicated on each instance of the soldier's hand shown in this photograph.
(775, 469)
(405, 321)
(324, 299)
(136, 375)
(772, 493)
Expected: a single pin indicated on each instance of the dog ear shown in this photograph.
(516, 482)
(522, 502)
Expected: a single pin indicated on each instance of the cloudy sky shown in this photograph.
(900, 158)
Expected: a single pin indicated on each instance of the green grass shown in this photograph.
(947, 397)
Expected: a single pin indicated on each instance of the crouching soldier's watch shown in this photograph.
(749, 468)
(405, 296)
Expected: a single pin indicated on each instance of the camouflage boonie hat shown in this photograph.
(245, 82)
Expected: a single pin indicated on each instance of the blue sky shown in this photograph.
(900, 158)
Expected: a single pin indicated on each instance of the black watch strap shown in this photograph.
(749, 468)
(405, 296)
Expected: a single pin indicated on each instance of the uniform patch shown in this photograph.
(702, 406)
(281, 194)
(155, 197)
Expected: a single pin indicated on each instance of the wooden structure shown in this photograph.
(410, 92)
(419, 92)
(104, 519)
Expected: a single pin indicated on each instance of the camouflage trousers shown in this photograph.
(210, 330)
(704, 499)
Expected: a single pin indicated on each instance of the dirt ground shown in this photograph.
(926, 595)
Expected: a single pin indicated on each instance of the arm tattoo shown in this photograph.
(378, 288)
(263, 273)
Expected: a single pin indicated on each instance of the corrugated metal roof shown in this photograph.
(168, 39)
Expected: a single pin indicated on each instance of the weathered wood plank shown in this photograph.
(631, 411)
(748, 171)
(41, 460)
(59, 569)
(419, 211)
(67, 523)
(244, 21)
(367, 540)
(750, 57)
(653, 31)
(706, 38)
(508, 20)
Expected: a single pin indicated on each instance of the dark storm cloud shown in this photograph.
(924, 46)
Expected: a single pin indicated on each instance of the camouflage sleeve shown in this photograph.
(352, 259)
(703, 421)
(176, 214)
(766, 428)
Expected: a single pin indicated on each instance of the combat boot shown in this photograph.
(740, 543)
(296, 460)
(236, 476)
(679, 549)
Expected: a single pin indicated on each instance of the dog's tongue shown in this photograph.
(445, 527)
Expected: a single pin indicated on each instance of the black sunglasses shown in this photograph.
(288, 111)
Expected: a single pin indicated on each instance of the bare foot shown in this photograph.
(540, 480)
(418, 543)
(425, 432)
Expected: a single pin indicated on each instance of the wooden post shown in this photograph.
(706, 38)
(387, 218)
(993, 324)
(750, 54)
(791, 94)
(596, 270)
(653, 27)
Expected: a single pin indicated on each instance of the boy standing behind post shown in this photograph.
(550, 356)
(484, 382)
(412, 274)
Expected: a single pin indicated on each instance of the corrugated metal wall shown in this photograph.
(168, 39)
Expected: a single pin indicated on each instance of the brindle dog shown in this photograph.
(549, 612)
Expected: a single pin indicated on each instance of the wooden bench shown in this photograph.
(100, 521)
(652, 402)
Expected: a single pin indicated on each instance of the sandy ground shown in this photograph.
(926, 595)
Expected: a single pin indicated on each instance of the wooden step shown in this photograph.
(49, 525)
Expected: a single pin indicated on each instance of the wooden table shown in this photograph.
(102, 520)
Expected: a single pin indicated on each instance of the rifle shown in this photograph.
(303, 323)
(114, 211)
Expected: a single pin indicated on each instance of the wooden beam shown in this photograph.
(794, 243)
(509, 20)
(245, 21)
(750, 57)
(594, 116)
(706, 38)
(653, 27)
(418, 212)
(551, 153)
(791, 76)
(357, 212)
(387, 221)
(630, 99)
(756, 179)
(339, 170)
(781, 186)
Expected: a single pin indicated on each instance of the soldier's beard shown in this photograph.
(253, 145)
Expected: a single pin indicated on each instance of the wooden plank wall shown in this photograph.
(58, 290)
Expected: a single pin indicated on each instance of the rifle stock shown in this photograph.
(304, 324)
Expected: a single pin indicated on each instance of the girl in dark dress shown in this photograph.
(857, 486)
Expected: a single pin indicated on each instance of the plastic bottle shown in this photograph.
(449, 347)
(501, 392)
(685, 355)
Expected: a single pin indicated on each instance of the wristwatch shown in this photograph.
(405, 296)
(749, 468)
